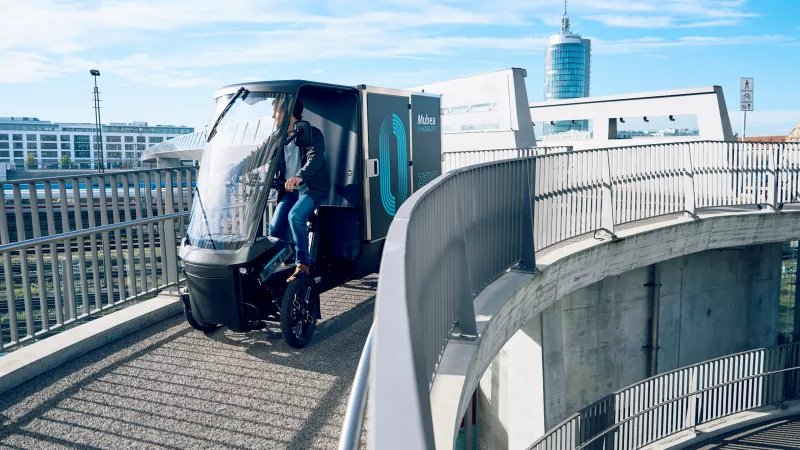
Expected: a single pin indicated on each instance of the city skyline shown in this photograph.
(47, 142)
(161, 62)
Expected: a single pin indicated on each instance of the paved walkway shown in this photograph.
(781, 434)
(168, 386)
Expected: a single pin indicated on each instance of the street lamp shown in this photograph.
(99, 130)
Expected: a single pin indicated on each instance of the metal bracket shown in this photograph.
(604, 235)
(457, 333)
(692, 215)
(517, 267)
(771, 208)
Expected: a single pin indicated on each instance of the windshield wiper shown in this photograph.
(205, 218)
(225, 111)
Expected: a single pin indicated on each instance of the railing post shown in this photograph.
(783, 363)
(170, 246)
(689, 196)
(528, 262)
(466, 326)
(692, 408)
(607, 219)
(610, 420)
(69, 289)
(773, 178)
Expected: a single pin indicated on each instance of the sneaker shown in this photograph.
(301, 268)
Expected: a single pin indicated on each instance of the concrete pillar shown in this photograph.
(511, 393)
(168, 162)
(555, 399)
(612, 128)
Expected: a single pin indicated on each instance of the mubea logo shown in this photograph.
(426, 124)
(393, 126)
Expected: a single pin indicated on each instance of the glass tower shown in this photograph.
(566, 73)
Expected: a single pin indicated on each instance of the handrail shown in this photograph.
(66, 255)
(572, 431)
(682, 397)
(91, 174)
(350, 438)
(458, 233)
(58, 238)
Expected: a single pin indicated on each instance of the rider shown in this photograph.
(306, 187)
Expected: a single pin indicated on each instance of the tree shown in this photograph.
(65, 162)
(30, 161)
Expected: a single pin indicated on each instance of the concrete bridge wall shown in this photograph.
(594, 341)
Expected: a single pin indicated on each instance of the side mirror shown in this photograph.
(302, 131)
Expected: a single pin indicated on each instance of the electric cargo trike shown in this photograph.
(380, 146)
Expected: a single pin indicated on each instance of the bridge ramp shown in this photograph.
(168, 386)
(780, 434)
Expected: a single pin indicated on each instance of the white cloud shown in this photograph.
(670, 13)
(184, 44)
(648, 44)
(21, 67)
(43, 35)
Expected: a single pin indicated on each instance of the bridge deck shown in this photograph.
(168, 386)
(780, 434)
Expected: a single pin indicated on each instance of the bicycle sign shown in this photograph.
(746, 95)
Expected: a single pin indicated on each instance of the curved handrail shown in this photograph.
(702, 383)
(357, 403)
(456, 235)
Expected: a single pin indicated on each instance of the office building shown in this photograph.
(122, 146)
(567, 74)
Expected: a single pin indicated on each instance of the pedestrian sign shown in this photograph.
(746, 94)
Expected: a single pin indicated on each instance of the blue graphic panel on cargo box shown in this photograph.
(388, 128)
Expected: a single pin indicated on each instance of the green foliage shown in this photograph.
(30, 161)
(65, 162)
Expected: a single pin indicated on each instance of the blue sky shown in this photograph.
(162, 60)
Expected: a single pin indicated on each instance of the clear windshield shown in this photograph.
(236, 171)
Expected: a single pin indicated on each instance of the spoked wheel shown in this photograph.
(299, 312)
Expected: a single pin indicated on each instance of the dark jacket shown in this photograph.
(314, 171)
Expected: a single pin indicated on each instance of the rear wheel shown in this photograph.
(299, 312)
(196, 324)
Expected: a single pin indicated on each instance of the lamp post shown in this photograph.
(99, 128)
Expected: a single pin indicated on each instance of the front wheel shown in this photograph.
(196, 324)
(299, 312)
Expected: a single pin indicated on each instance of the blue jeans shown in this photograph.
(292, 212)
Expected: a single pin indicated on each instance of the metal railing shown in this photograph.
(456, 235)
(357, 402)
(456, 160)
(680, 400)
(74, 247)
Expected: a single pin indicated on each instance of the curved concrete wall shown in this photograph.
(591, 265)
(596, 340)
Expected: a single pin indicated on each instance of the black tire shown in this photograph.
(299, 312)
(196, 324)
